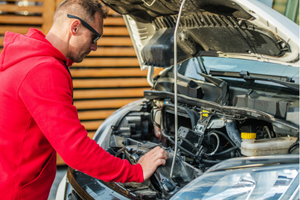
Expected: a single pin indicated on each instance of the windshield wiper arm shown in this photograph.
(282, 80)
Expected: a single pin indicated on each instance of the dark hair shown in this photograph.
(84, 9)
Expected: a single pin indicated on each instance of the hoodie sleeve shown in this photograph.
(46, 92)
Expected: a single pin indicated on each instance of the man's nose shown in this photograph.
(94, 46)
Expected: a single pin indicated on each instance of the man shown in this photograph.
(37, 118)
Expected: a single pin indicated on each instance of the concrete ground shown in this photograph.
(61, 171)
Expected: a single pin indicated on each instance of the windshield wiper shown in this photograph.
(282, 80)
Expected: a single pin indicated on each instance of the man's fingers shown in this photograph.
(160, 162)
(158, 151)
(151, 160)
(160, 155)
(155, 150)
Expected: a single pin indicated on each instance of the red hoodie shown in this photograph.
(37, 119)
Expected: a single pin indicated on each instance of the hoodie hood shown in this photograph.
(18, 47)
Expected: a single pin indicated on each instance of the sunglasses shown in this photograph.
(86, 25)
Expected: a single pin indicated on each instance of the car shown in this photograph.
(225, 105)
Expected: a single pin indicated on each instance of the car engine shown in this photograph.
(208, 133)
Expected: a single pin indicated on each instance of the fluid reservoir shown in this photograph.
(259, 147)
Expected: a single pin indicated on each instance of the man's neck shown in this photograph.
(59, 40)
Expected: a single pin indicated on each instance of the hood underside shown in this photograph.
(224, 28)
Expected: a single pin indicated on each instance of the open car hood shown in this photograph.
(245, 29)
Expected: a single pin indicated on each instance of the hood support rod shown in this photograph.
(175, 88)
(150, 75)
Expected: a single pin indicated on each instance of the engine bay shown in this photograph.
(206, 136)
(216, 122)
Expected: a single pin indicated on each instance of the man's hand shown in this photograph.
(151, 160)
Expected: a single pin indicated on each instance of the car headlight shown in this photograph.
(271, 182)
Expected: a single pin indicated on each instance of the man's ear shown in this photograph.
(74, 26)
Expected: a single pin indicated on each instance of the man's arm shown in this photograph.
(46, 92)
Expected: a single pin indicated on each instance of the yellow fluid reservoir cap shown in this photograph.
(248, 135)
(205, 113)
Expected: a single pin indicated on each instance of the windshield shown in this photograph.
(193, 67)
